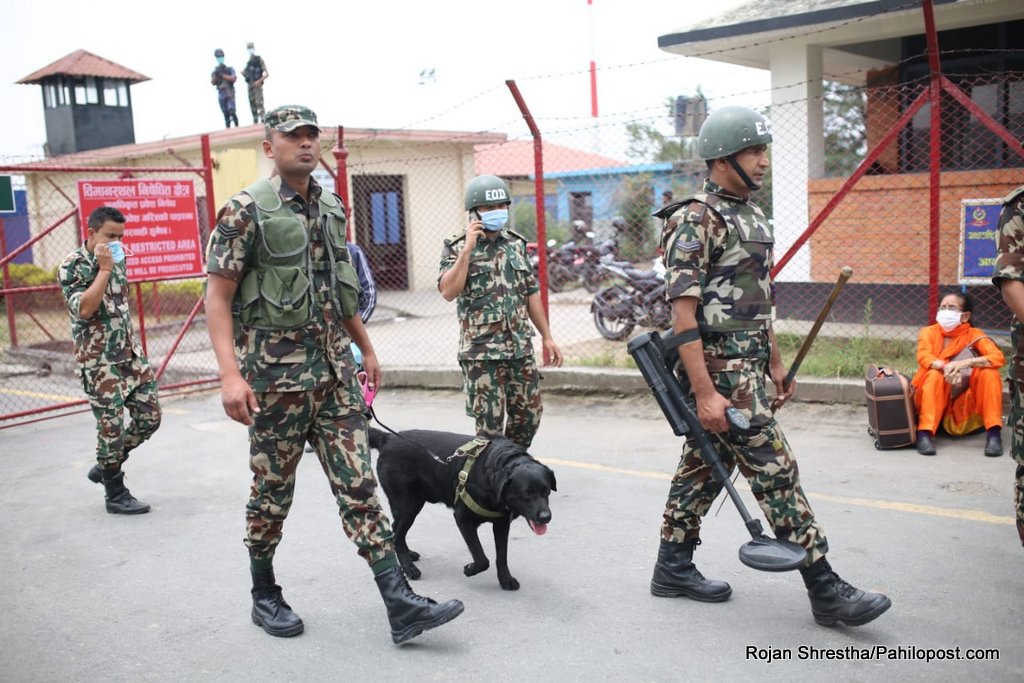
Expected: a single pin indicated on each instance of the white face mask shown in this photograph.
(948, 320)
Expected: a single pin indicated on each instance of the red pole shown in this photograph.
(538, 194)
(156, 302)
(12, 327)
(593, 63)
(181, 335)
(340, 153)
(207, 173)
(934, 156)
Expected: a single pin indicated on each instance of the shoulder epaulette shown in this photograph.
(1013, 195)
(516, 234)
(455, 237)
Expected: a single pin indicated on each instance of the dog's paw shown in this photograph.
(413, 555)
(474, 568)
(412, 572)
(509, 584)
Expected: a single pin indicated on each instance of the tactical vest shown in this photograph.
(737, 284)
(277, 290)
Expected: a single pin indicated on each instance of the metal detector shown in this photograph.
(656, 362)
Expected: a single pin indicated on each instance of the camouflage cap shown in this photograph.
(249, 46)
(288, 117)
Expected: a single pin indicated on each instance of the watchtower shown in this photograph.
(87, 102)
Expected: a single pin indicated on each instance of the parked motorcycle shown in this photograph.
(637, 299)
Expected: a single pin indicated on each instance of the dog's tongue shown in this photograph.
(539, 529)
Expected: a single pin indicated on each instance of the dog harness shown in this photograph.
(472, 450)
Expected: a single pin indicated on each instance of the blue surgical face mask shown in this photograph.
(220, 60)
(494, 220)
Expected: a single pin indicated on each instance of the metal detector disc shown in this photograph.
(772, 555)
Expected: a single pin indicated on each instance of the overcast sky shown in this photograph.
(358, 63)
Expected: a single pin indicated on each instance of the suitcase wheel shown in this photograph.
(878, 446)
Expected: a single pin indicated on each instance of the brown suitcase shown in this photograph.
(892, 419)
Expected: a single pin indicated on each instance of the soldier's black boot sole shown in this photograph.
(442, 615)
(702, 595)
(279, 628)
(871, 611)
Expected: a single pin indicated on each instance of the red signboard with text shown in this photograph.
(161, 232)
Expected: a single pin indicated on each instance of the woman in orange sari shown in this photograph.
(966, 393)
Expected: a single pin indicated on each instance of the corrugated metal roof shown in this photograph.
(515, 158)
(84, 63)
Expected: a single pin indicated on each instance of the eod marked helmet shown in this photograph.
(731, 129)
(485, 190)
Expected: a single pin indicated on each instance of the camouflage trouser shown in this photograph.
(276, 440)
(111, 389)
(256, 103)
(764, 458)
(494, 387)
(1016, 423)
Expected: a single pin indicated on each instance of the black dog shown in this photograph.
(504, 481)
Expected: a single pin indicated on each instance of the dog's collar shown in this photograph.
(472, 450)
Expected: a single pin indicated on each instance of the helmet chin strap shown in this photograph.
(742, 174)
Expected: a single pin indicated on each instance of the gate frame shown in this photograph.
(205, 172)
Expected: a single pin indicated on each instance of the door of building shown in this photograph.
(378, 204)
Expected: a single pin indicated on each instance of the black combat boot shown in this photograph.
(269, 610)
(835, 601)
(96, 472)
(675, 575)
(411, 614)
(120, 500)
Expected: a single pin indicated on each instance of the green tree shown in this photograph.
(635, 200)
(845, 112)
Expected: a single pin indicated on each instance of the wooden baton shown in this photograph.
(844, 275)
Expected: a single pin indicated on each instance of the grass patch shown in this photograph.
(847, 357)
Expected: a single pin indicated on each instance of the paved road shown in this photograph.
(88, 596)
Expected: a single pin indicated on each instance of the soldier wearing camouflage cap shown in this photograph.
(283, 298)
(718, 249)
(485, 268)
(255, 72)
(1009, 277)
(115, 373)
(223, 79)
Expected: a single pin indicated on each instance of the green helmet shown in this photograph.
(485, 190)
(731, 129)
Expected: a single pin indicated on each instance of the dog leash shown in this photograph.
(368, 395)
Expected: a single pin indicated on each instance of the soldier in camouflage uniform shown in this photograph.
(223, 78)
(281, 306)
(1009, 277)
(718, 255)
(115, 373)
(255, 72)
(486, 269)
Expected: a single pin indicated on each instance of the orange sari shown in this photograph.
(981, 405)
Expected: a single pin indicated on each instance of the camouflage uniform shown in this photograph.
(718, 248)
(305, 384)
(114, 372)
(496, 340)
(254, 70)
(1010, 266)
